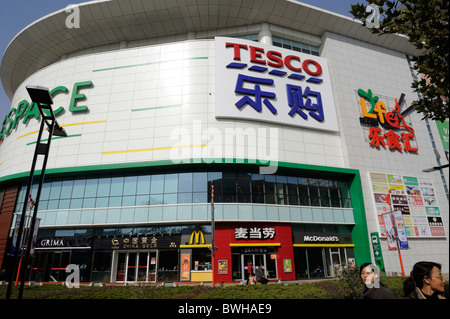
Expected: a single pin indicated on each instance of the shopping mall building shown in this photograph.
(295, 120)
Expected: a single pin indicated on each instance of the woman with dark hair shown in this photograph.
(425, 281)
(372, 289)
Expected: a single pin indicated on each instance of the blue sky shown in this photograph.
(15, 15)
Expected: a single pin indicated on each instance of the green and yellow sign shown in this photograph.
(26, 110)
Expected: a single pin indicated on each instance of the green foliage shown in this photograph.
(425, 23)
(277, 291)
(347, 286)
(350, 282)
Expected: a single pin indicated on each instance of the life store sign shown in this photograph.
(385, 119)
(260, 82)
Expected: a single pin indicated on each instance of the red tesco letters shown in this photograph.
(275, 59)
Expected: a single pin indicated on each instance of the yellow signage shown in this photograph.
(197, 235)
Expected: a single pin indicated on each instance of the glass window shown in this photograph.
(306, 48)
(115, 201)
(229, 186)
(216, 178)
(142, 200)
(276, 41)
(45, 192)
(78, 188)
(170, 198)
(253, 37)
(64, 232)
(324, 197)
(269, 189)
(185, 182)
(157, 185)
(104, 185)
(116, 186)
(184, 198)
(200, 182)
(201, 259)
(286, 43)
(143, 185)
(129, 201)
(335, 197)
(292, 191)
(101, 266)
(63, 204)
(89, 203)
(52, 204)
(101, 202)
(345, 194)
(76, 203)
(313, 192)
(55, 190)
(91, 188)
(257, 188)
(170, 183)
(314, 50)
(66, 189)
(199, 197)
(191, 187)
(129, 186)
(156, 199)
(243, 188)
(296, 46)
(280, 190)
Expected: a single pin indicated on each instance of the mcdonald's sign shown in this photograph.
(196, 239)
(198, 235)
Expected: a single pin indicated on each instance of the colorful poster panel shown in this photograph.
(414, 197)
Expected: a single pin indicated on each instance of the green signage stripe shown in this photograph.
(154, 108)
(144, 64)
(56, 138)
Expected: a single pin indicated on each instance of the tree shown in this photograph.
(425, 23)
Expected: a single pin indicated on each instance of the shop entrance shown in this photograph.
(320, 262)
(49, 266)
(244, 264)
(133, 266)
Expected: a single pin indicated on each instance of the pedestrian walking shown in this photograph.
(425, 282)
(372, 290)
(260, 277)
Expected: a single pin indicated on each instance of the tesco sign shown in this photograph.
(265, 83)
(274, 58)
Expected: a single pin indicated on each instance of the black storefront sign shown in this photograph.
(321, 238)
(137, 242)
(64, 242)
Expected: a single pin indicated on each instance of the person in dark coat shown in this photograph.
(372, 290)
(260, 275)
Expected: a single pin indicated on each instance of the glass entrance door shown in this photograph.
(334, 263)
(135, 266)
(59, 262)
(251, 262)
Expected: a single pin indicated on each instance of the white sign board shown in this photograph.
(260, 82)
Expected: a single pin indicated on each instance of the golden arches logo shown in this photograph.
(198, 235)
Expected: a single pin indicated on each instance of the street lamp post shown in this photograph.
(213, 228)
(41, 96)
(435, 168)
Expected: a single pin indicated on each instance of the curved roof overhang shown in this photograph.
(103, 22)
